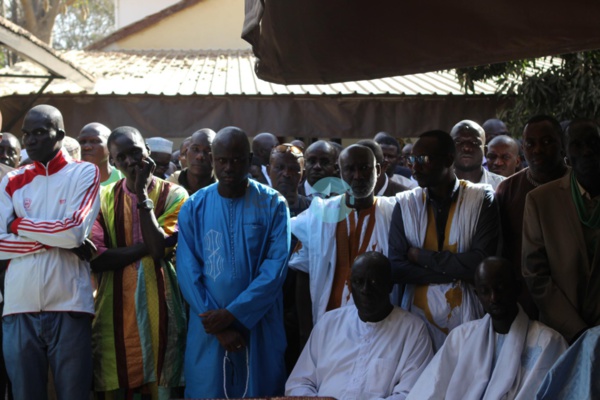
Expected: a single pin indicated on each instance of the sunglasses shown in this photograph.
(422, 160)
(288, 148)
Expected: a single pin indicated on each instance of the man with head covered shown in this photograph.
(333, 232)
(232, 251)
(369, 350)
(46, 214)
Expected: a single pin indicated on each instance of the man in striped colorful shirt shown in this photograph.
(139, 329)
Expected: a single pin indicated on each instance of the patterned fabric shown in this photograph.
(139, 329)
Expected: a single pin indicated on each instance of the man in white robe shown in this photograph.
(333, 232)
(575, 375)
(504, 355)
(439, 233)
(370, 351)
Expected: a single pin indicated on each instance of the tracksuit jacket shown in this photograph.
(53, 208)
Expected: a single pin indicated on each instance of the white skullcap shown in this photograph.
(160, 145)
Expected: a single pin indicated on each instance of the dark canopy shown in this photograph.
(323, 41)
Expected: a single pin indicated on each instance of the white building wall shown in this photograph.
(130, 11)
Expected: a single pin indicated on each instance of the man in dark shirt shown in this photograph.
(439, 233)
(286, 167)
(199, 171)
(543, 148)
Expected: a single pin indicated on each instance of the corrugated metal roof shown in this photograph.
(215, 73)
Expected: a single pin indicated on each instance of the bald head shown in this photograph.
(503, 155)
(232, 135)
(469, 139)
(231, 161)
(320, 161)
(262, 144)
(494, 127)
(48, 113)
(203, 135)
(43, 132)
(95, 128)
(468, 126)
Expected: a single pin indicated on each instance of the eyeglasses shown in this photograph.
(418, 159)
(288, 148)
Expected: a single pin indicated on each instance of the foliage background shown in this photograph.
(567, 90)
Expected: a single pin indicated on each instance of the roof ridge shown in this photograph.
(142, 24)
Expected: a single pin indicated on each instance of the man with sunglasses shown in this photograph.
(469, 140)
(439, 233)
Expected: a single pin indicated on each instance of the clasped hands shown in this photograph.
(218, 323)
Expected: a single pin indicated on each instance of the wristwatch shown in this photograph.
(147, 204)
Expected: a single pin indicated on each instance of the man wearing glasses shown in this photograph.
(439, 233)
(469, 140)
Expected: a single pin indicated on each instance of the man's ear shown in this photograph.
(378, 169)
(111, 161)
(60, 134)
(250, 158)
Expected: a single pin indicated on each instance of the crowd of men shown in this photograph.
(233, 268)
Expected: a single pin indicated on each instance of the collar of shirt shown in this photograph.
(584, 193)
(385, 185)
(263, 169)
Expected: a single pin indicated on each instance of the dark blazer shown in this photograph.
(564, 282)
(393, 187)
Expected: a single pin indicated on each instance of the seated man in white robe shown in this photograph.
(370, 351)
(504, 355)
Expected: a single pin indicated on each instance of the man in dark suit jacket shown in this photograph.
(385, 186)
(561, 238)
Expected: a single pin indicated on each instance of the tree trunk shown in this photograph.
(39, 16)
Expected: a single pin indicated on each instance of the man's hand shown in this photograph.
(86, 251)
(231, 340)
(9, 226)
(413, 255)
(215, 321)
(142, 174)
